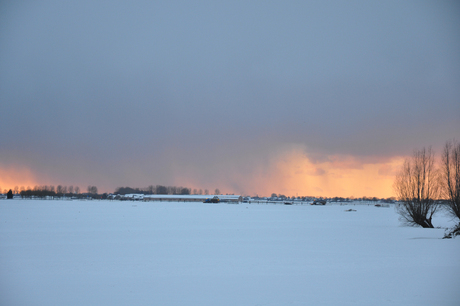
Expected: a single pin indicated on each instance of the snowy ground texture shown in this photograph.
(157, 253)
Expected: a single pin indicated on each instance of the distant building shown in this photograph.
(133, 196)
(188, 198)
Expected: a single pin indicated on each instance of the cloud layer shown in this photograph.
(218, 95)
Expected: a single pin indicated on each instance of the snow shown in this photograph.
(171, 253)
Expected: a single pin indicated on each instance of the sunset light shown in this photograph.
(294, 174)
(16, 177)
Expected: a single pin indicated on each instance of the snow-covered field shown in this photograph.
(157, 253)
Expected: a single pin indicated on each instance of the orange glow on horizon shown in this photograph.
(294, 174)
(12, 177)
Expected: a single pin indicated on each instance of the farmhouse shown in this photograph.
(191, 198)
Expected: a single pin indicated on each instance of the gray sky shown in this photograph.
(213, 94)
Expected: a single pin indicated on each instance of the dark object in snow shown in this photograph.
(455, 231)
(350, 209)
(287, 203)
(213, 200)
(9, 195)
(319, 202)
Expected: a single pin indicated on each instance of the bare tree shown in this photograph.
(172, 190)
(77, 189)
(217, 191)
(92, 190)
(417, 188)
(161, 189)
(151, 189)
(450, 167)
(451, 176)
(71, 189)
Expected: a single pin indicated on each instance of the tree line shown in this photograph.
(160, 189)
(422, 181)
(60, 191)
(275, 196)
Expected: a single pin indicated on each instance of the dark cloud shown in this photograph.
(152, 93)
